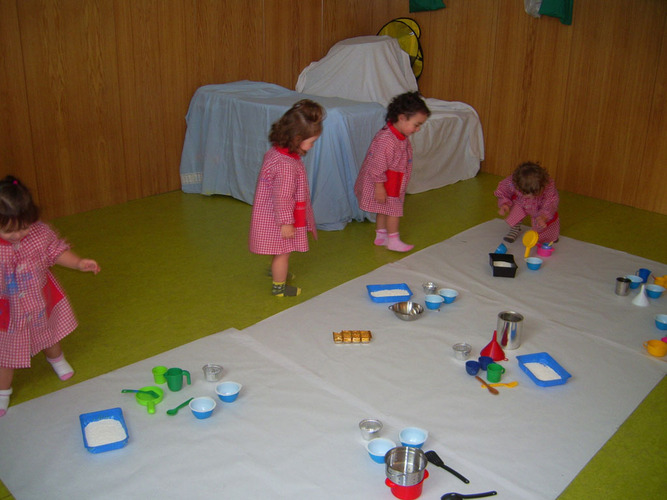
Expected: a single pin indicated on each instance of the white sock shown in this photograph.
(61, 367)
(380, 237)
(4, 400)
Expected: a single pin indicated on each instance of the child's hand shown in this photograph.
(88, 265)
(287, 231)
(540, 222)
(504, 209)
(380, 193)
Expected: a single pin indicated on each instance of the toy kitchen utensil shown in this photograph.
(145, 399)
(174, 411)
(529, 241)
(435, 459)
(492, 390)
(152, 394)
(461, 496)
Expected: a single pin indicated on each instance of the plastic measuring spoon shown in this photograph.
(529, 241)
(461, 496)
(502, 384)
(174, 411)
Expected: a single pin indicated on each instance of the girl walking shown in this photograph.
(34, 311)
(385, 172)
(282, 213)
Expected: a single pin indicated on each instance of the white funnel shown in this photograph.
(641, 299)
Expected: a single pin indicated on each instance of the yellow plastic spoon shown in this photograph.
(529, 241)
(501, 384)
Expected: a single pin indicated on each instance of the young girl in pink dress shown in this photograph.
(281, 212)
(385, 172)
(529, 191)
(34, 312)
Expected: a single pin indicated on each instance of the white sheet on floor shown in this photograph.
(293, 431)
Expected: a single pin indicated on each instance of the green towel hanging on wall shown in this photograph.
(562, 9)
(422, 5)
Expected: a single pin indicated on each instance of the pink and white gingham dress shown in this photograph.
(389, 150)
(282, 188)
(546, 205)
(34, 312)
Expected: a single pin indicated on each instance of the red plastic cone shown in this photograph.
(493, 349)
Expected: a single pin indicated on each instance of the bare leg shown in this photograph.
(279, 270)
(6, 375)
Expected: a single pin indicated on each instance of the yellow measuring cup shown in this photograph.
(529, 241)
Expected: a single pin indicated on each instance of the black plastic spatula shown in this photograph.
(435, 459)
(461, 496)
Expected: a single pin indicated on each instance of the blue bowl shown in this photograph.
(434, 301)
(378, 447)
(202, 407)
(449, 294)
(654, 291)
(533, 263)
(228, 391)
(661, 321)
(413, 437)
(635, 280)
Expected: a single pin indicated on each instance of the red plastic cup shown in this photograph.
(406, 492)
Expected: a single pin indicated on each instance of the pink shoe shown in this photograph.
(397, 245)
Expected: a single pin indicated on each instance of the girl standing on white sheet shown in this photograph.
(281, 212)
(34, 312)
(385, 172)
(529, 191)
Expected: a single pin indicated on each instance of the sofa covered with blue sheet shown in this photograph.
(227, 135)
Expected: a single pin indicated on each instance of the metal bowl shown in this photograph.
(407, 311)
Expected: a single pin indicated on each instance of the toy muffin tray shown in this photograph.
(352, 337)
(543, 369)
(397, 292)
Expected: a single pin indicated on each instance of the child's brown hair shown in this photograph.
(408, 104)
(302, 121)
(17, 209)
(530, 178)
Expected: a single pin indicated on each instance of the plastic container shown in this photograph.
(544, 359)
(112, 413)
(545, 250)
(399, 287)
(503, 265)
(406, 492)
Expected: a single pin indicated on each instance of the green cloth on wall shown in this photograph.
(422, 5)
(562, 9)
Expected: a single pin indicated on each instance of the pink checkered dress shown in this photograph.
(281, 197)
(34, 312)
(389, 150)
(546, 204)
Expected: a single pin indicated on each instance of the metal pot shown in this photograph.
(405, 465)
(509, 328)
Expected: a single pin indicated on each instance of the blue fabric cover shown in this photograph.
(227, 136)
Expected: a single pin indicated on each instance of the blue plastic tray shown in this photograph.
(545, 359)
(114, 413)
(393, 298)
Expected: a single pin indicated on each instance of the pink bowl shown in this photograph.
(544, 252)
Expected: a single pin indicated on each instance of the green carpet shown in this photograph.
(175, 268)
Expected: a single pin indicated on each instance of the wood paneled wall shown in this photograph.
(94, 93)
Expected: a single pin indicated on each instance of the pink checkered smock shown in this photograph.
(546, 204)
(281, 197)
(389, 151)
(34, 312)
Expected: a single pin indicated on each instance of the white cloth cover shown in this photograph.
(450, 145)
(365, 68)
